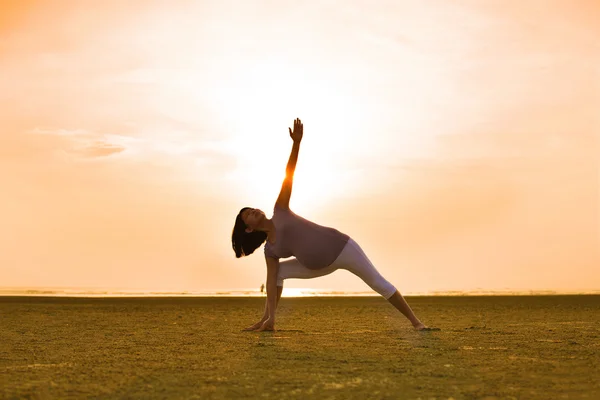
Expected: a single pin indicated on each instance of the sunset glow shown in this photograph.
(458, 142)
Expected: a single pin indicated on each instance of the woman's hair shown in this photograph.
(245, 243)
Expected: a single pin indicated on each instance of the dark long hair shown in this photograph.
(244, 243)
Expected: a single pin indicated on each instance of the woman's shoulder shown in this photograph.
(279, 209)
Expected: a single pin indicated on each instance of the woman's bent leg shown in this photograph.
(292, 269)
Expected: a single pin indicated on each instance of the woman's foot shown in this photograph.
(422, 328)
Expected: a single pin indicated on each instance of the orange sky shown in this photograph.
(457, 142)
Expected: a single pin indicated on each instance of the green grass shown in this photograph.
(537, 347)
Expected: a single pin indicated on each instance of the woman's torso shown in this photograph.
(314, 246)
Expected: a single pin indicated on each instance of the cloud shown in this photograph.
(167, 155)
(84, 144)
(100, 150)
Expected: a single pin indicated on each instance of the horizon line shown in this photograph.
(24, 291)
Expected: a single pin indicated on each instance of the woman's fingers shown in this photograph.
(296, 132)
(297, 124)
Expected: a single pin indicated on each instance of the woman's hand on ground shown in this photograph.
(268, 325)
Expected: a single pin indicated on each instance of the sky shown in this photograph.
(458, 142)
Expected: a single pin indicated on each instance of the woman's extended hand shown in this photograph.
(296, 134)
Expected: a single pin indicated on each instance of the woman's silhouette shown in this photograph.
(316, 250)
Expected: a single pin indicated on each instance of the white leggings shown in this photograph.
(352, 258)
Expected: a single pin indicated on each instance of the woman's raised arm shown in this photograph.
(283, 201)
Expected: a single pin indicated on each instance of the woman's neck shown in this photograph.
(267, 226)
(270, 231)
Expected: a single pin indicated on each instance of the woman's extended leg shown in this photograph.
(401, 305)
(354, 259)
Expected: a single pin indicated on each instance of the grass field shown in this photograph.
(529, 347)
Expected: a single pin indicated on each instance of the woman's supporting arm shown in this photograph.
(266, 313)
(272, 294)
(283, 201)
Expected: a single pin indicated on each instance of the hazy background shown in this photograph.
(457, 141)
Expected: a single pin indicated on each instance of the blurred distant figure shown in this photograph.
(262, 287)
(317, 250)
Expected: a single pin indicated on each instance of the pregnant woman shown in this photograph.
(316, 250)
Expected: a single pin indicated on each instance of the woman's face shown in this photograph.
(252, 217)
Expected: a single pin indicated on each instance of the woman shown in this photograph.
(317, 250)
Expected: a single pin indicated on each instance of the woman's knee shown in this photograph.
(386, 290)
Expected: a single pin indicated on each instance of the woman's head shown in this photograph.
(246, 237)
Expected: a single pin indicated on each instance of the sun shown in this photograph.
(259, 106)
(316, 180)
